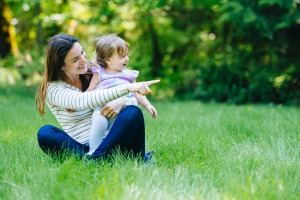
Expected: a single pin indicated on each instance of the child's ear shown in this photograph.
(108, 62)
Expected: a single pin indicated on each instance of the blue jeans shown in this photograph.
(127, 134)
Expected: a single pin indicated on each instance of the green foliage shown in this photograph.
(256, 52)
(225, 51)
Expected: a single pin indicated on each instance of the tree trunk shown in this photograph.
(8, 43)
(5, 46)
(156, 54)
(39, 38)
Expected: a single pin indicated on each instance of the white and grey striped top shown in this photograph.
(61, 96)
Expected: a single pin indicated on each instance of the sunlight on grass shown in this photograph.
(202, 151)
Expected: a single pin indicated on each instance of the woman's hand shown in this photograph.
(141, 87)
(113, 108)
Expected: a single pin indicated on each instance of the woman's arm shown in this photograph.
(59, 94)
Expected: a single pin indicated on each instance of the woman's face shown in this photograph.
(75, 61)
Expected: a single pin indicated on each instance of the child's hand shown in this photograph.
(151, 110)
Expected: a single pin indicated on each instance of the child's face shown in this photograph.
(117, 62)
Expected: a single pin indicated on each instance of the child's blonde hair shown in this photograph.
(107, 46)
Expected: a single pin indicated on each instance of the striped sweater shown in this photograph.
(61, 96)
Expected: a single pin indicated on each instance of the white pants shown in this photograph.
(100, 127)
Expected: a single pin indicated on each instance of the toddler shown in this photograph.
(110, 71)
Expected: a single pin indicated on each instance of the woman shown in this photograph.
(62, 88)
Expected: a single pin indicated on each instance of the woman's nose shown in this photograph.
(83, 59)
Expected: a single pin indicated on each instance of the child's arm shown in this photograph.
(146, 104)
(94, 82)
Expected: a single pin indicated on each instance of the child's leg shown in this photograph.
(98, 130)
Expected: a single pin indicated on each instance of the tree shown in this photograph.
(8, 42)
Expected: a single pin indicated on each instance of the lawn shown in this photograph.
(202, 151)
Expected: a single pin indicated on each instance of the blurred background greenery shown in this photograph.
(244, 51)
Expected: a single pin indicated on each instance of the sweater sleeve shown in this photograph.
(65, 96)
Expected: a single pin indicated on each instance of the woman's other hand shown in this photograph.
(113, 108)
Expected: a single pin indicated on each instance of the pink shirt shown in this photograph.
(109, 79)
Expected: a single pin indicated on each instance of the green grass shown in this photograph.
(203, 151)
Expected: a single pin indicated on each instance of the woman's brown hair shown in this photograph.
(57, 49)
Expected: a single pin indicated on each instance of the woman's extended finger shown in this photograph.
(147, 89)
(152, 82)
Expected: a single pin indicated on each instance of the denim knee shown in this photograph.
(134, 112)
(44, 131)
